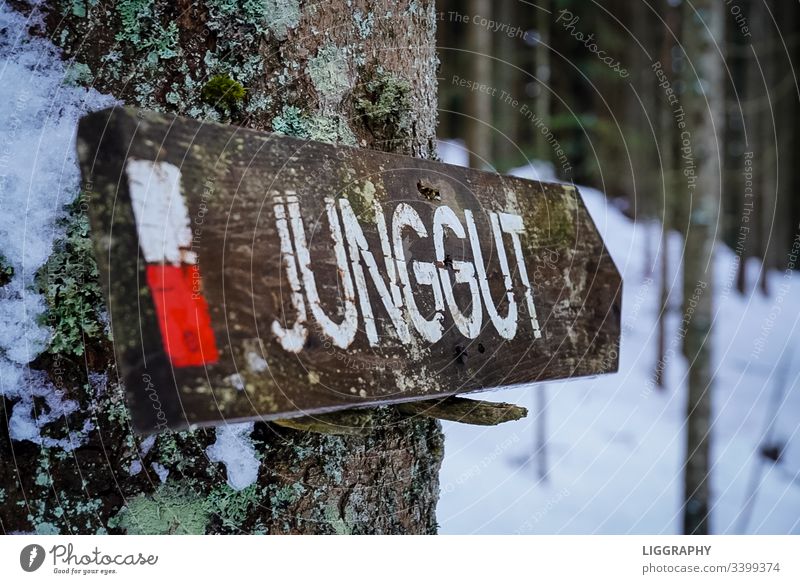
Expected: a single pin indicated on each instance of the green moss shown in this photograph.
(223, 93)
(385, 105)
(69, 283)
(6, 271)
(556, 220)
(170, 510)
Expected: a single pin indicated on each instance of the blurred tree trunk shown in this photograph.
(704, 101)
(642, 120)
(540, 450)
(767, 52)
(741, 139)
(507, 147)
(303, 83)
(479, 103)
(544, 20)
(668, 147)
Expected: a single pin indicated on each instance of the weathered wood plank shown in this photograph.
(240, 286)
(465, 411)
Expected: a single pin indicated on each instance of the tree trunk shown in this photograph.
(702, 27)
(507, 150)
(360, 72)
(667, 141)
(767, 53)
(543, 22)
(479, 103)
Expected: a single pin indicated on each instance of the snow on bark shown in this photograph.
(39, 110)
(234, 448)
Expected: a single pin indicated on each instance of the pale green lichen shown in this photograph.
(46, 528)
(385, 107)
(170, 510)
(176, 508)
(70, 284)
(281, 15)
(78, 74)
(142, 28)
(232, 506)
(361, 196)
(364, 23)
(292, 121)
(78, 8)
(134, 14)
(329, 73)
(337, 522)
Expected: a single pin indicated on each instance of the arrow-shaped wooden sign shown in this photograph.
(256, 276)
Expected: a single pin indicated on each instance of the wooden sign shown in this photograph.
(255, 276)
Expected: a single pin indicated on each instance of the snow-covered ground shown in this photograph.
(615, 444)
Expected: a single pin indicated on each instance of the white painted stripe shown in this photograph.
(162, 219)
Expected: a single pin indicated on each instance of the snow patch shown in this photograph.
(27, 418)
(39, 112)
(615, 444)
(234, 448)
(161, 471)
(147, 444)
(135, 468)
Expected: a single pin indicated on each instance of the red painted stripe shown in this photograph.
(182, 315)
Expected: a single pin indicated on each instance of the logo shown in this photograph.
(31, 557)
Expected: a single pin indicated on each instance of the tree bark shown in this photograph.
(479, 103)
(361, 72)
(543, 97)
(507, 150)
(667, 141)
(702, 27)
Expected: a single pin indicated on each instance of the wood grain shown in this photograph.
(230, 179)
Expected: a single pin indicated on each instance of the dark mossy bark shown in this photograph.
(361, 73)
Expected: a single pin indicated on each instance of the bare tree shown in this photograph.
(704, 99)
